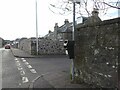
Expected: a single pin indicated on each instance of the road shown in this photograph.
(20, 72)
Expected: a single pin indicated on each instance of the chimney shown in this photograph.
(95, 12)
(56, 25)
(66, 21)
(94, 18)
(49, 31)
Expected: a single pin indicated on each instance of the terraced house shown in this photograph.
(63, 32)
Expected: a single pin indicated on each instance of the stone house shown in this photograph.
(50, 35)
(15, 43)
(63, 32)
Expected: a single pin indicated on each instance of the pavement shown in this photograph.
(22, 54)
(56, 80)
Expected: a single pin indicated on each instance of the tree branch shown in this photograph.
(111, 5)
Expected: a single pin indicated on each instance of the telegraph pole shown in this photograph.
(36, 29)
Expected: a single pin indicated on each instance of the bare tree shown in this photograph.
(84, 7)
(61, 7)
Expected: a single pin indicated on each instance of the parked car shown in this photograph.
(7, 46)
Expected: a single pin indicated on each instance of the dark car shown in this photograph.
(7, 46)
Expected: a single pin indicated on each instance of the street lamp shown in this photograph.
(73, 20)
(36, 29)
(73, 68)
(74, 1)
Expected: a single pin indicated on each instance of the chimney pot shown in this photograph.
(95, 12)
(66, 21)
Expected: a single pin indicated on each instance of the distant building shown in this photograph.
(61, 33)
(25, 44)
(1, 42)
(21, 43)
(15, 43)
(50, 35)
(65, 31)
(7, 42)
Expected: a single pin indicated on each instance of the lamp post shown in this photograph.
(73, 21)
(36, 29)
(73, 68)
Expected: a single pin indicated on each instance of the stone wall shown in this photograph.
(25, 45)
(96, 53)
(48, 47)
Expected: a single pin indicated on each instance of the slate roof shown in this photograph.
(65, 28)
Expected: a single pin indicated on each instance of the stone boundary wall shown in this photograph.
(49, 47)
(25, 45)
(96, 53)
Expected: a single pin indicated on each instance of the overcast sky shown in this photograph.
(18, 18)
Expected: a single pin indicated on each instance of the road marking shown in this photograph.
(113, 66)
(25, 79)
(105, 76)
(16, 59)
(18, 64)
(109, 76)
(26, 63)
(33, 70)
(24, 60)
(20, 68)
(22, 72)
(29, 66)
(101, 74)
(20, 84)
(36, 78)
